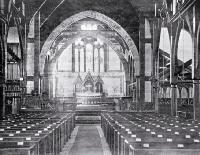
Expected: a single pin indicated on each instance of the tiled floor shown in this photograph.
(87, 140)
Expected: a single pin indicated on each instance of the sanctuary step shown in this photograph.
(88, 119)
(88, 114)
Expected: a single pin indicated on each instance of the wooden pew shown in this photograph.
(133, 135)
(18, 148)
(48, 132)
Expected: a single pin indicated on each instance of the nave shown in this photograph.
(119, 133)
(118, 77)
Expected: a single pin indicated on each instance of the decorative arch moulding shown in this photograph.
(88, 14)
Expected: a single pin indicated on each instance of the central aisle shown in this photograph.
(87, 140)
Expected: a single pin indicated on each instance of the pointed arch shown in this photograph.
(95, 15)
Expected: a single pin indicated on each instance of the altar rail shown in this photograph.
(38, 102)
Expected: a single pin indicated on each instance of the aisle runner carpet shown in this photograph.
(87, 142)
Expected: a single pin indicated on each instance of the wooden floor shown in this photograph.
(86, 139)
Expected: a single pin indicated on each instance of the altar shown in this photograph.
(88, 97)
(89, 90)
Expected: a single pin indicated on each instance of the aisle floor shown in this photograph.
(86, 140)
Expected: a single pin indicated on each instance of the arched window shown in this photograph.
(89, 57)
(177, 93)
(101, 60)
(82, 60)
(161, 93)
(165, 40)
(168, 92)
(190, 92)
(184, 52)
(13, 48)
(184, 93)
(96, 60)
(76, 60)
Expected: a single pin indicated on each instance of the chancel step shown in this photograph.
(88, 114)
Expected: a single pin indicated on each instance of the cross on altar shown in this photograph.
(88, 87)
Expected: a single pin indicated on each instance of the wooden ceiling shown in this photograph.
(124, 12)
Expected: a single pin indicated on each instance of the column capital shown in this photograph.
(79, 46)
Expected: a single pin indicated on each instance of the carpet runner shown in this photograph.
(88, 140)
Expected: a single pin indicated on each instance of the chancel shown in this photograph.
(107, 77)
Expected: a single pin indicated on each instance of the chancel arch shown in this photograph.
(90, 45)
(94, 15)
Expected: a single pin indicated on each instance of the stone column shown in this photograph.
(99, 62)
(79, 60)
(105, 57)
(84, 58)
(98, 46)
(79, 47)
(73, 57)
(93, 49)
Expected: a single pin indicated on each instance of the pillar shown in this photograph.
(196, 99)
(173, 57)
(174, 99)
(93, 49)
(155, 62)
(127, 88)
(138, 105)
(79, 60)
(105, 57)
(73, 57)
(145, 52)
(36, 52)
(196, 63)
(142, 62)
(3, 60)
(84, 48)
(3, 46)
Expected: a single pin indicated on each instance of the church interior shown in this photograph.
(107, 77)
